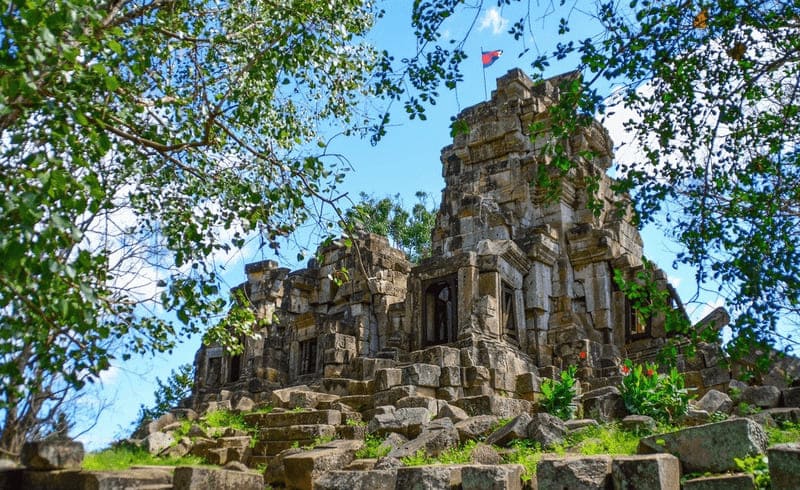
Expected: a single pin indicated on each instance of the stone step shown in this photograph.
(297, 432)
(286, 419)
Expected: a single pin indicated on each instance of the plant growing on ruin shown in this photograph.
(525, 453)
(558, 395)
(410, 231)
(373, 448)
(646, 392)
(124, 455)
(757, 466)
(603, 439)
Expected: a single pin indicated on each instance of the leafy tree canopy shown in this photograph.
(140, 138)
(169, 393)
(408, 230)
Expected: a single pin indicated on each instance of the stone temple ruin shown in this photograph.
(517, 284)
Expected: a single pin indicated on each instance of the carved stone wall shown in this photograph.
(516, 283)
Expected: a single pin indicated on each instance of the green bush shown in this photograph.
(757, 466)
(373, 448)
(558, 395)
(646, 392)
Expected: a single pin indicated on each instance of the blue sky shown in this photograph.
(406, 161)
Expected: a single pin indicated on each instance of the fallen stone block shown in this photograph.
(406, 421)
(476, 427)
(790, 397)
(285, 419)
(280, 398)
(297, 432)
(574, 472)
(784, 466)
(483, 454)
(52, 454)
(429, 477)
(357, 480)
(604, 404)
(452, 412)
(646, 472)
(435, 438)
(639, 423)
(427, 402)
(546, 429)
(310, 399)
(733, 481)
(515, 429)
(499, 406)
(497, 477)
(715, 401)
(767, 396)
(193, 478)
(302, 469)
(711, 447)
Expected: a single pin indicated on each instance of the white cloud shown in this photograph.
(702, 310)
(493, 20)
(110, 375)
(674, 280)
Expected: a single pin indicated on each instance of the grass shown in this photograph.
(787, 432)
(603, 439)
(373, 448)
(527, 454)
(124, 456)
(455, 455)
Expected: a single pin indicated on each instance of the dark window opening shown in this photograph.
(214, 374)
(637, 325)
(308, 356)
(440, 313)
(235, 368)
(508, 316)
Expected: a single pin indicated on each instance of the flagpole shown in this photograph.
(483, 67)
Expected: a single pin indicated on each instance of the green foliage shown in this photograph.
(646, 392)
(225, 418)
(373, 448)
(169, 394)
(419, 458)
(239, 322)
(123, 456)
(604, 439)
(319, 441)
(461, 454)
(558, 395)
(786, 432)
(526, 454)
(408, 230)
(757, 466)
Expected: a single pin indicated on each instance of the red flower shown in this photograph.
(625, 370)
(582, 355)
(650, 372)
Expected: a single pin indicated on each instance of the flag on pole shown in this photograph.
(489, 57)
